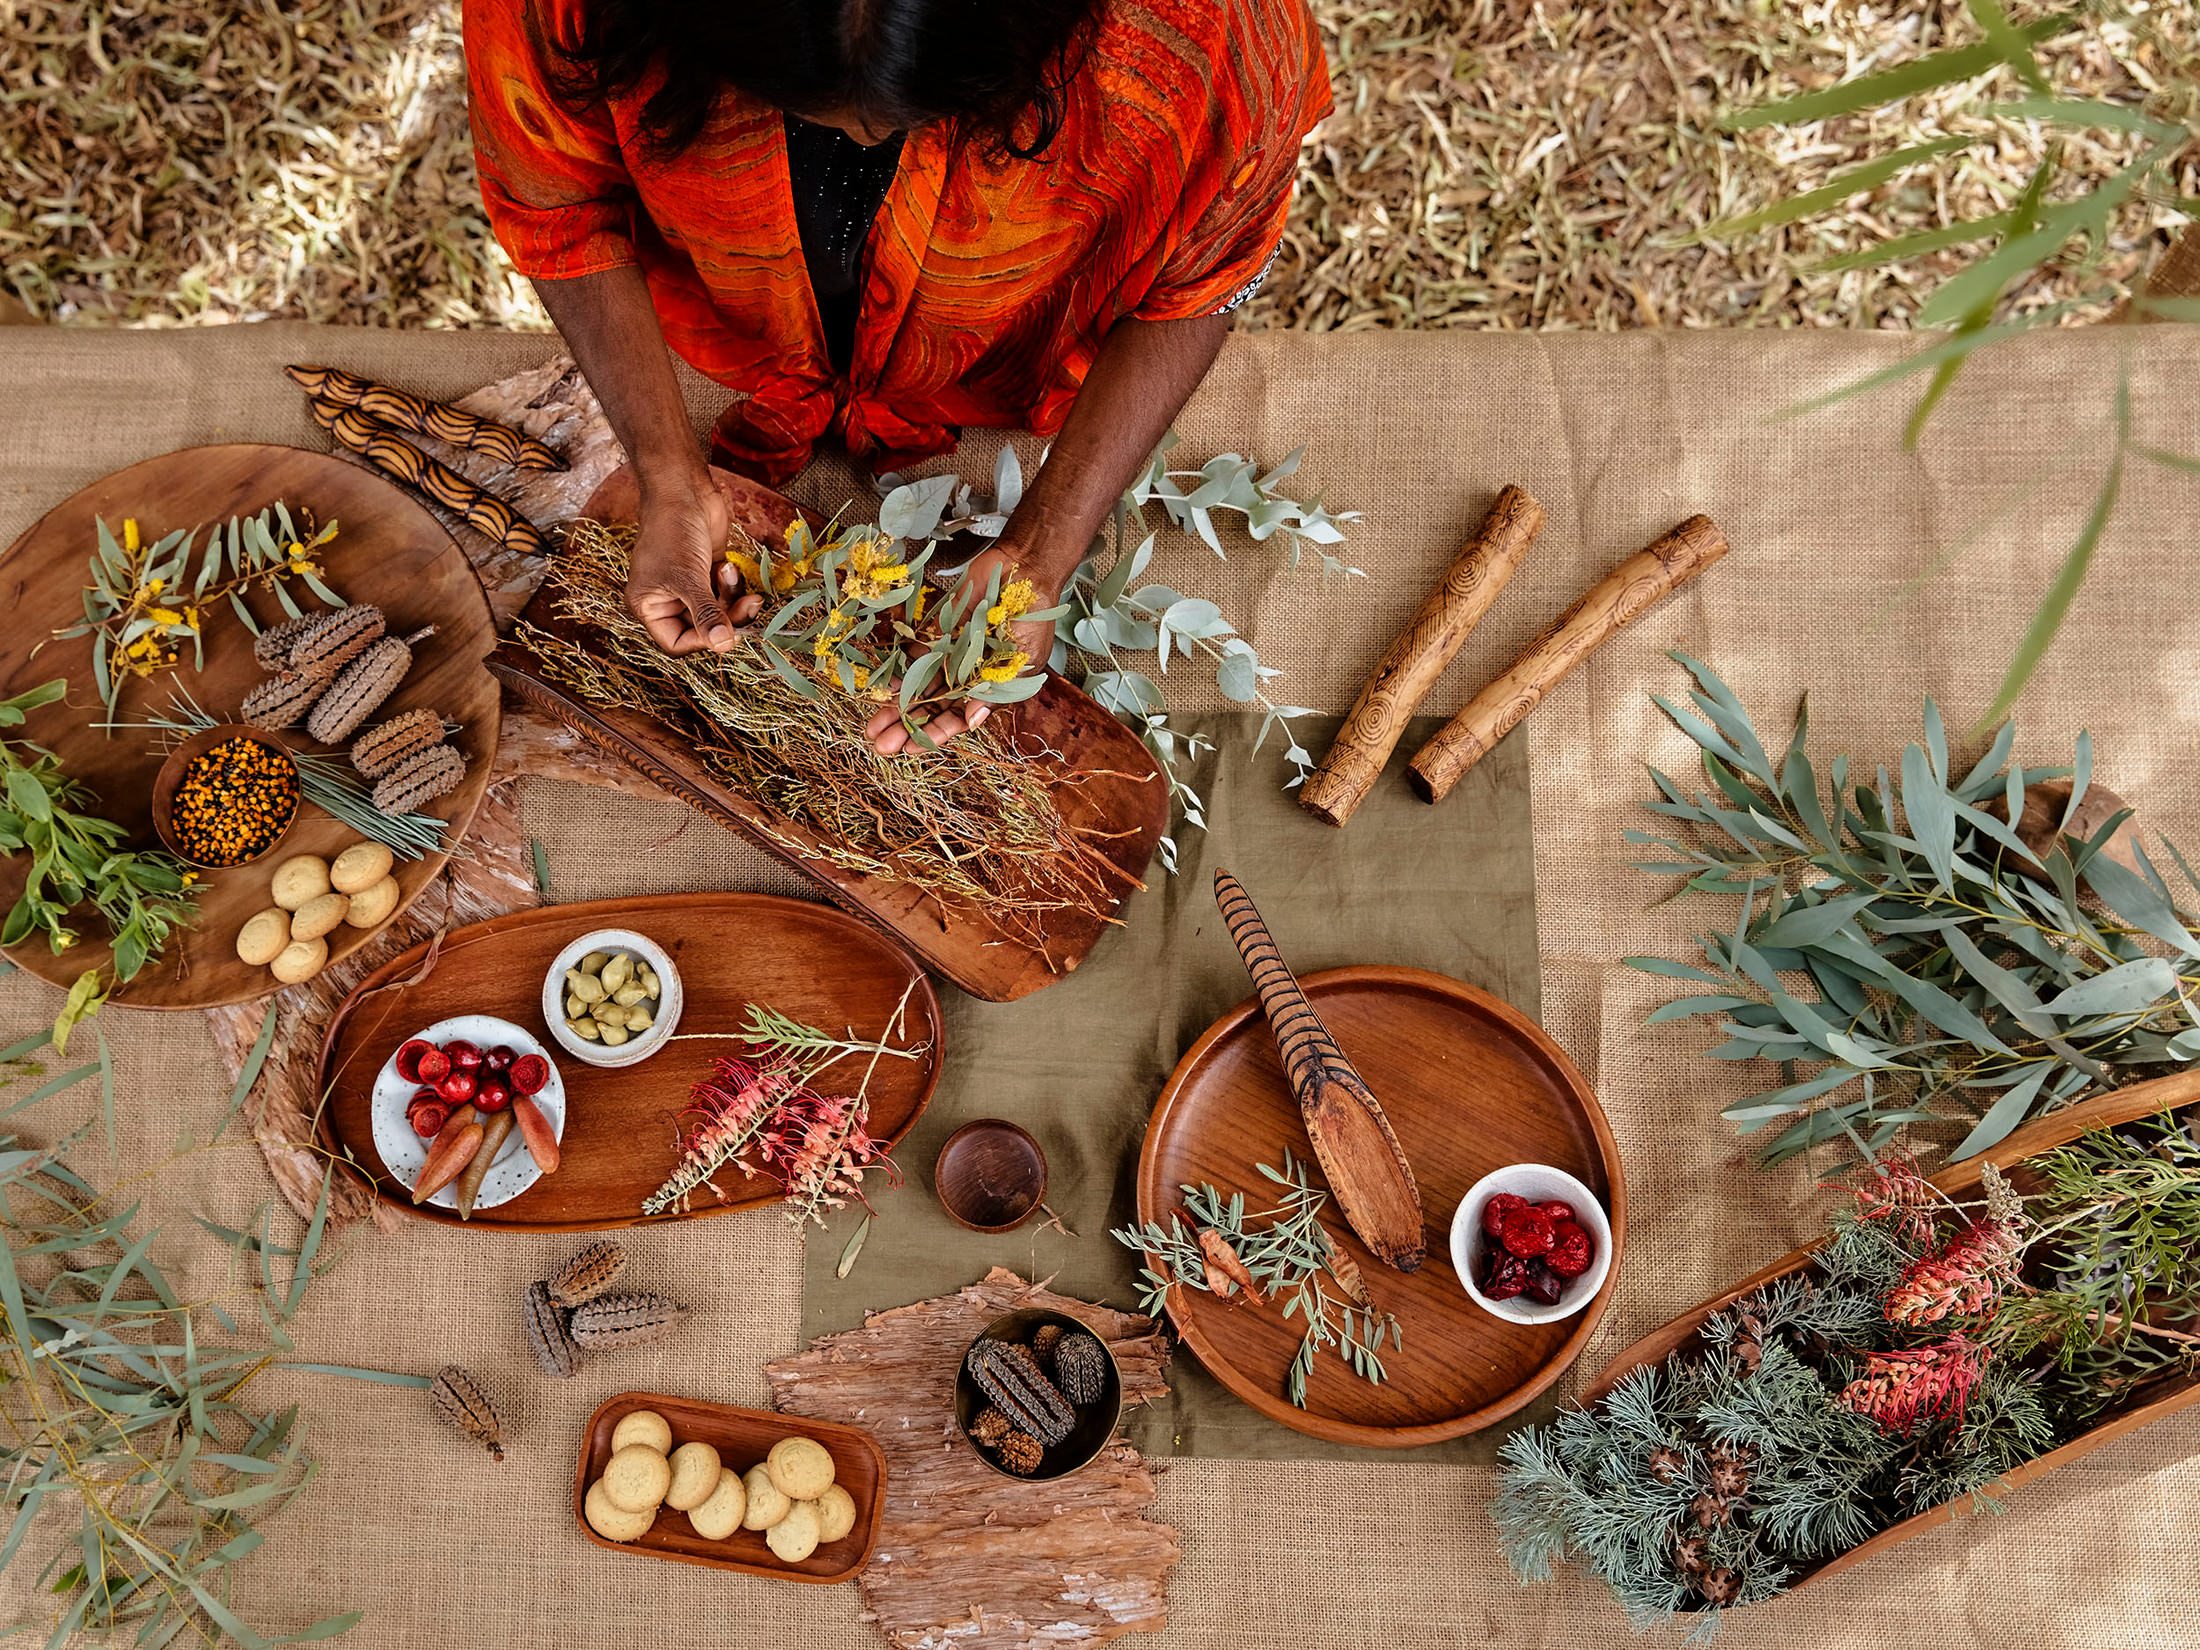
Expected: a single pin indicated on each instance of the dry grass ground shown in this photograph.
(1492, 163)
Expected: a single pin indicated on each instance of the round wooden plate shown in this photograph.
(1470, 1084)
(389, 551)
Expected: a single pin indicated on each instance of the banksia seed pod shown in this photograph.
(383, 748)
(460, 1400)
(1021, 1453)
(359, 691)
(989, 1426)
(420, 779)
(272, 646)
(588, 1274)
(280, 701)
(338, 639)
(548, 1337)
(612, 1321)
(1081, 1368)
(1010, 1376)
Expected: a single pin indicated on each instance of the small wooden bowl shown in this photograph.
(170, 779)
(990, 1176)
(1096, 1422)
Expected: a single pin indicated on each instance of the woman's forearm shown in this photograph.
(611, 325)
(1143, 375)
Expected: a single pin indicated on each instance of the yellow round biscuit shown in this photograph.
(372, 905)
(695, 1469)
(643, 1426)
(360, 867)
(801, 1468)
(614, 1523)
(298, 879)
(836, 1514)
(636, 1479)
(318, 916)
(721, 1515)
(794, 1537)
(261, 940)
(768, 1503)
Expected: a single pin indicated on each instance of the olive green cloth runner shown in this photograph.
(1080, 1064)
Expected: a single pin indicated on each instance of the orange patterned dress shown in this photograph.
(986, 287)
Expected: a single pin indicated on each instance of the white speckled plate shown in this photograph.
(404, 1153)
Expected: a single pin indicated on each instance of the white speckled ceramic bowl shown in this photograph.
(512, 1171)
(634, 1049)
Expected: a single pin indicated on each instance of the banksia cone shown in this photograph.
(612, 1321)
(272, 646)
(359, 691)
(1010, 1376)
(385, 746)
(588, 1274)
(460, 1400)
(1021, 1453)
(340, 637)
(280, 702)
(1081, 1368)
(548, 1336)
(419, 780)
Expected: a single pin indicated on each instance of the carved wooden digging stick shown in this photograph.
(1352, 1139)
(1619, 597)
(1396, 687)
(402, 410)
(399, 459)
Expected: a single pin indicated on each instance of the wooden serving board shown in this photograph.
(742, 1438)
(1119, 795)
(388, 551)
(810, 961)
(1470, 1084)
(2147, 1403)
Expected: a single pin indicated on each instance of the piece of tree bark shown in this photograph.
(967, 1557)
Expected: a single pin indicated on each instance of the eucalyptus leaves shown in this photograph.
(1901, 941)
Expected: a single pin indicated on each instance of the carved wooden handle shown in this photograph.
(1309, 1052)
(1623, 593)
(1396, 687)
(402, 461)
(401, 410)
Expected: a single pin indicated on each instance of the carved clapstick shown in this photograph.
(399, 459)
(1352, 1139)
(1397, 685)
(1620, 596)
(401, 410)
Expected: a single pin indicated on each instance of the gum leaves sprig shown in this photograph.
(146, 601)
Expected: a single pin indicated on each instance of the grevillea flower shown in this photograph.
(1965, 1278)
(763, 1119)
(1900, 1389)
(1895, 1191)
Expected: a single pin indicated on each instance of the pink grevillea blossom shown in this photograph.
(1895, 1191)
(763, 1119)
(1963, 1279)
(1900, 1389)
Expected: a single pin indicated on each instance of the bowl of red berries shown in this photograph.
(1531, 1243)
(469, 1112)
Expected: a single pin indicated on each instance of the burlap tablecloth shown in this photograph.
(1620, 437)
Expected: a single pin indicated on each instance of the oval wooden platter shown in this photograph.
(1470, 1084)
(388, 551)
(2148, 1403)
(742, 1438)
(1118, 797)
(810, 961)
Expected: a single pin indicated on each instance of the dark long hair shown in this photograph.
(999, 70)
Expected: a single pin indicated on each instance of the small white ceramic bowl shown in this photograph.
(405, 1154)
(1538, 1183)
(634, 1049)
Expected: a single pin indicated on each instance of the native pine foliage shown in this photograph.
(1927, 1350)
(1900, 954)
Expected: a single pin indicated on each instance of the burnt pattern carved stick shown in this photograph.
(1396, 687)
(401, 410)
(1352, 1139)
(1621, 596)
(398, 458)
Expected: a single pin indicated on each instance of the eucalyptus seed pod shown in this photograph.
(461, 1400)
(612, 1321)
(588, 1274)
(281, 701)
(272, 646)
(419, 780)
(359, 691)
(1010, 1376)
(385, 746)
(548, 1336)
(339, 638)
(1081, 1367)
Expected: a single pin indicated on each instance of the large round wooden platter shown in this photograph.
(817, 964)
(388, 551)
(1470, 1084)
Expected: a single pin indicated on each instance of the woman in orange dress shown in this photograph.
(888, 219)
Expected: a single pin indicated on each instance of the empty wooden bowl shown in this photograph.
(170, 779)
(990, 1175)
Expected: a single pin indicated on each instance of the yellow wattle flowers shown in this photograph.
(1016, 600)
(1007, 670)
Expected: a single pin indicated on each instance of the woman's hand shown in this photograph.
(1035, 641)
(679, 584)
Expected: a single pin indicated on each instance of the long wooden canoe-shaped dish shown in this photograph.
(1118, 794)
(2147, 1403)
